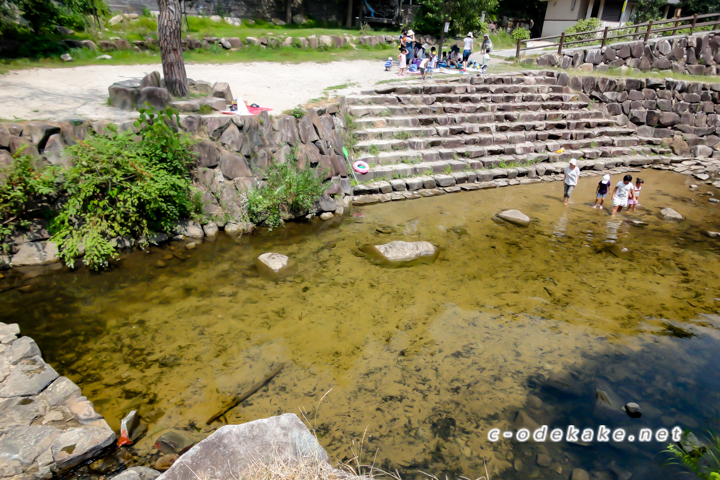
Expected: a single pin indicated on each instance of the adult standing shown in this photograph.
(486, 44)
(410, 46)
(572, 174)
(467, 51)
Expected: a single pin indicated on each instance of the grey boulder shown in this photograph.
(670, 215)
(515, 217)
(281, 438)
(399, 251)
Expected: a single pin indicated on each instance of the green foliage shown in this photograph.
(403, 135)
(298, 112)
(25, 194)
(702, 460)
(576, 32)
(120, 186)
(145, 12)
(374, 150)
(288, 190)
(649, 10)
(448, 170)
(464, 16)
(520, 34)
(691, 7)
(22, 17)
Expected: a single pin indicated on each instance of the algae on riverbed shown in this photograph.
(428, 358)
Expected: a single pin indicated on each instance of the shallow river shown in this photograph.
(425, 359)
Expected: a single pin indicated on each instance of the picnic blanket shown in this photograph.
(257, 110)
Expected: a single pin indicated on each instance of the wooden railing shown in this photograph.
(641, 30)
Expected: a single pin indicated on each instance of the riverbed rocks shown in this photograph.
(515, 217)
(283, 438)
(670, 215)
(274, 263)
(44, 418)
(399, 252)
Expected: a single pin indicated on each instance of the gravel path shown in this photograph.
(81, 92)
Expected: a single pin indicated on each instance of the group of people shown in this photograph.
(625, 195)
(414, 56)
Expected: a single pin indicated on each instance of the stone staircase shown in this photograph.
(485, 131)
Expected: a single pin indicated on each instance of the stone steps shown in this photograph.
(484, 98)
(418, 163)
(456, 88)
(528, 109)
(412, 117)
(473, 146)
(494, 132)
(480, 178)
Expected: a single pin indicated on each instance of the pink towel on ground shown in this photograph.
(257, 110)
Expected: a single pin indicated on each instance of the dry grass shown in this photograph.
(315, 468)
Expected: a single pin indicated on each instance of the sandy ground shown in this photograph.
(81, 92)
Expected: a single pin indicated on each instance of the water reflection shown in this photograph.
(427, 358)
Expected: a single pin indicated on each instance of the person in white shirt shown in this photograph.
(424, 65)
(468, 41)
(572, 174)
(623, 191)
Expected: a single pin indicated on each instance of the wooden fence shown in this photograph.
(635, 32)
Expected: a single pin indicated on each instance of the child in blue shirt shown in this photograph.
(388, 64)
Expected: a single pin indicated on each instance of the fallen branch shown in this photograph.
(238, 400)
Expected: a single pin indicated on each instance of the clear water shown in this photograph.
(425, 359)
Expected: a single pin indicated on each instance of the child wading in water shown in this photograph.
(403, 61)
(632, 204)
(601, 191)
(623, 191)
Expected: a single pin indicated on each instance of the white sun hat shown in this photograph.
(573, 161)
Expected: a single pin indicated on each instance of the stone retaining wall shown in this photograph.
(692, 54)
(685, 115)
(46, 425)
(232, 155)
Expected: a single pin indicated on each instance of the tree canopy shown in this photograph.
(463, 15)
(41, 16)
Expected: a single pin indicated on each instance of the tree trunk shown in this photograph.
(349, 14)
(170, 38)
(288, 12)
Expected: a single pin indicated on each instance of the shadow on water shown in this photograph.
(427, 358)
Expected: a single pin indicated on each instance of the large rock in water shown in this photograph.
(274, 264)
(670, 215)
(403, 252)
(514, 216)
(229, 451)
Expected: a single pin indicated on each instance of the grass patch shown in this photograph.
(374, 150)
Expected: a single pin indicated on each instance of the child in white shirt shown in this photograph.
(423, 65)
(486, 60)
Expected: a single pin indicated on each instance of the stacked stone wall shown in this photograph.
(691, 54)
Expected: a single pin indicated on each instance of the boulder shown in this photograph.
(29, 377)
(158, 98)
(252, 41)
(225, 44)
(35, 253)
(151, 80)
(399, 252)
(222, 90)
(235, 42)
(79, 444)
(115, 20)
(189, 228)
(313, 42)
(206, 154)
(39, 133)
(515, 217)
(282, 438)
(124, 95)
(53, 151)
(137, 473)
(670, 215)
(217, 104)
(65, 57)
(122, 44)
(185, 105)
(232, 138)
(215, 126)
(234, 166)
(299, 19)
(593, 56)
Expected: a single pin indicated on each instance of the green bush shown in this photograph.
(700, 458)
(288, 191)
(576, 32)
(25, 195)
(121, 186)
(520, 34)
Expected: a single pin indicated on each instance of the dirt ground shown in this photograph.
(82, 92)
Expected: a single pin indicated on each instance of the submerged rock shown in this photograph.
(579, 474)
(137, 473)
(633, 410)
(274, 261)
(175, 442)
(399, 252)
(281, 438)
(670, 215)
(515, 217)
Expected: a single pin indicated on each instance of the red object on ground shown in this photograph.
(124, 440)
(256, 110)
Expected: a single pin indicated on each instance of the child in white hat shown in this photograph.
(601, 191)
(388, 64)
(572, 174)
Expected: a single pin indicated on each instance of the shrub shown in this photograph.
(288, 190)
(576, 31)
(298, 112)
(25, 195)
(520, 34)
(703, 459)
(120, 185)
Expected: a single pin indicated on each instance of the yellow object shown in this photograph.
(560, 151)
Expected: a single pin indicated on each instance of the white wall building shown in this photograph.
(561, 14)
